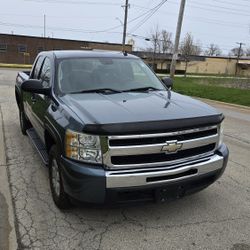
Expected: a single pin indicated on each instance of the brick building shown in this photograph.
(23, 49)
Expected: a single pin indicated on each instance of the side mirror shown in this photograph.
(35, 86)
(168, 82)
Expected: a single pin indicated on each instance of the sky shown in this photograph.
(222, 22)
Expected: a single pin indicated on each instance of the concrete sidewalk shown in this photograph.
(7, 228)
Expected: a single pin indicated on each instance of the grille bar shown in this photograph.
(181, 132)
(161, 157)
(156, 148)
(155, 139)
(149, 150)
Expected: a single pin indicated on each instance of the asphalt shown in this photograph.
(216, 218)
(7, 225)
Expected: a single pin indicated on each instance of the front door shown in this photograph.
(41, 102)
(28, 97)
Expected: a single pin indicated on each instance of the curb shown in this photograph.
(15, 66)
(223, 103)
(5, 188)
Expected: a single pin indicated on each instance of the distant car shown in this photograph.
(110, 130)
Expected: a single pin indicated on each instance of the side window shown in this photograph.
(22, 48)
(45, 72)
(3, 47)
(37, 68)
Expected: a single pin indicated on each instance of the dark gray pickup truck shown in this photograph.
(110, 130)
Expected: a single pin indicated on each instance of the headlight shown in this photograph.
(221, 130)
(83, 147)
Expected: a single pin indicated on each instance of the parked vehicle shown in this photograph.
(110, 130)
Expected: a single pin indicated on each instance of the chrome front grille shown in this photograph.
(148, 150)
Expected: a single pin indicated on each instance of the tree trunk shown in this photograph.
(186, 66)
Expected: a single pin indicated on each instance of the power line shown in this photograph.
(53, 28)
(73, 2)
(153, 11)
(76, 30)
(219, 7)
(80, 30)
(212, 9)
(218, 11)
(230, 3)
(201, 19)
(132, 20)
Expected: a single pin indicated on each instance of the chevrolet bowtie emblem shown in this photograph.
(171, 147)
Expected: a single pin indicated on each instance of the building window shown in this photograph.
(22, 48)
(3, 47)
(40, 49)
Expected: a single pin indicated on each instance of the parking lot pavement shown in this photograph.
(216, 218)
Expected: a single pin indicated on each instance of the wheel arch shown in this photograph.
(51, 138)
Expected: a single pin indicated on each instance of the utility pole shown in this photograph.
(125, 25)
(44, 30)
(238, 57)
(44, 26)
(177, 38)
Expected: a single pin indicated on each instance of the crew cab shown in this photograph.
(110, 130)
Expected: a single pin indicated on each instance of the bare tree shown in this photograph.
(247, 51)
(155, 42)
(161, 41)
(166, 42)
(235, 52)
(155, 38)
(188, 48)
(213, 50)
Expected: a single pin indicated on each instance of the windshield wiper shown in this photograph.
(103, 90)
(142, 89)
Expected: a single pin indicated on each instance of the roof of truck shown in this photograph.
(60, 54)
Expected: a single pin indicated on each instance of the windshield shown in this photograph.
(83, 74)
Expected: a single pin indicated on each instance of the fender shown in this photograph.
(54, 133)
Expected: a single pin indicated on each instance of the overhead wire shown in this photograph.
(153, 11)
(213, 8)
(74, 2)
(149, 13)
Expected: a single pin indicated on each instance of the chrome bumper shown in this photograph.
(144, 177)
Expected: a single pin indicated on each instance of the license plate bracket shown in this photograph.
(168, 193)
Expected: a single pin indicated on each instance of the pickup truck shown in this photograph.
(110, 130)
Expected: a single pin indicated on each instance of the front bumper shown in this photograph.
(87, 183)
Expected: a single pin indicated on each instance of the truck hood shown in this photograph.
(133, 112)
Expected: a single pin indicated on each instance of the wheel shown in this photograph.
(24, 122)
(60, 198)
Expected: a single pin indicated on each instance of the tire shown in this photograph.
(24, 122)
(59, 196)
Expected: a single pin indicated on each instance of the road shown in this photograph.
(216, 218)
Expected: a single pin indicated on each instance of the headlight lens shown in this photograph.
(221, 130)
(83, 147)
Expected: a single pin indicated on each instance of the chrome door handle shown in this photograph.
(33, 99)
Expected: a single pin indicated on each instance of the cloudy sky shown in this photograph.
(223, 22)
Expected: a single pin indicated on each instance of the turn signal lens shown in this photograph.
(221, 131)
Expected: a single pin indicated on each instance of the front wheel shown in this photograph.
(24, 122)
(59, 196)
